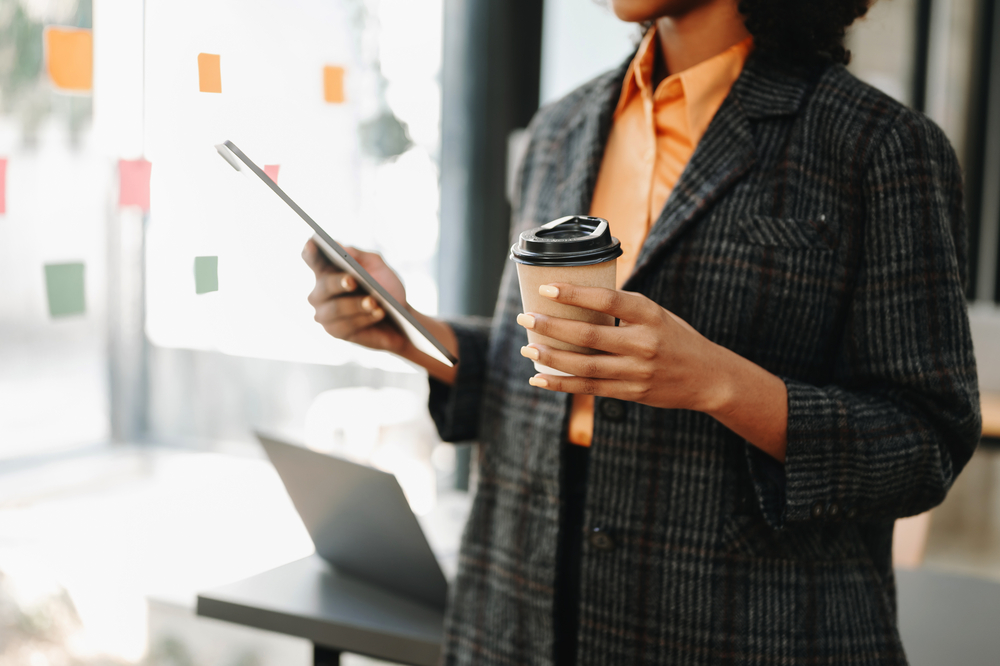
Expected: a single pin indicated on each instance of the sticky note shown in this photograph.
(206, 274)
(69, 55)
(272, 171)
(209, 73)
(133, 183)
(333, 84)
(64, 286)
(3, 185)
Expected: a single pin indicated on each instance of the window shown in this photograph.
(361, 160)
(343, 98)
(54, 187)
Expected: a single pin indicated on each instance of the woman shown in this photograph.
(793, 371)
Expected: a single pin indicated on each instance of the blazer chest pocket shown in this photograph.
(812, 234)
(786, 276)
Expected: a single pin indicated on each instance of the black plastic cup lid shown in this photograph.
(575, 240)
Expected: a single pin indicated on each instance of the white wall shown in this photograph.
(580, 39)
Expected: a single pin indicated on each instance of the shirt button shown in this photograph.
(613, 410)
(833, 511)
(818, 510)
(601, 540)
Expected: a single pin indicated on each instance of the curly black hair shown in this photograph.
(801, 33)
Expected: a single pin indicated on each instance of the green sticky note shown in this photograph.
(206, 274)
(64, 285)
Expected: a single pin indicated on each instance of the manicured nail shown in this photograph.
(347, 283)
(529, 352)
(526, 320)
(549, 291)
(368, 303)
(538, 381)
(378, 314)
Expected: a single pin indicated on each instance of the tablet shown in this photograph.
(338, 256)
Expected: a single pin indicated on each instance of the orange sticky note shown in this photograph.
(272, 171)
(133, 189)
(209, 73)
(69, 55)
(3, 185)
(333, 84)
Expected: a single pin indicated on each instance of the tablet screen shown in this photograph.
(338, 256)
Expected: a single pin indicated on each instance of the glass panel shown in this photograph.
(581, 40)
(54, 196)
(882, 47)
(343, 100)
(949, 75)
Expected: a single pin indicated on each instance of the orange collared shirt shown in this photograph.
(654, 134)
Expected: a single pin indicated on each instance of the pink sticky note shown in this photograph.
(3, 185)
(134, 183)
(272, 171)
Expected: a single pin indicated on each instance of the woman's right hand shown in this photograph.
(347, 314)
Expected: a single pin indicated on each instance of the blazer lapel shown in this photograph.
(726, 152)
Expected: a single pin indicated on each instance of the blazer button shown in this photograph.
(601, 540)
(613, 410)
(852, 513)
(833, 511)
(818, 510)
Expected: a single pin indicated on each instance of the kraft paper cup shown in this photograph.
(532, 277)
(573, 250)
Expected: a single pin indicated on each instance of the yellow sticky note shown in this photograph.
(333, 84)
(69, 56)
(209, 73)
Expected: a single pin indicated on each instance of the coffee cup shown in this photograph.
(575, 250)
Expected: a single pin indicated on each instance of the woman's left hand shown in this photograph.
(654, 357)
(657, 359)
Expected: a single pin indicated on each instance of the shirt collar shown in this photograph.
(703, 86)
(640, 71)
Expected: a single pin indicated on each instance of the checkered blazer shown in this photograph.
(818, 231)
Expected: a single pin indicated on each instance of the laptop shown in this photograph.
(360, 521)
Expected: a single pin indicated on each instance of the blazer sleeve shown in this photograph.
(887, 437)
(455, 408)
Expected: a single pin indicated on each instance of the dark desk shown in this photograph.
(309, 599)
(948, 618)
(943, 618)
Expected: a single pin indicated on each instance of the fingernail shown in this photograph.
(526, 320)
(368, 303)
(529, 352)
(540, 382)
(347, 283)
(378, 314)
(549, 291)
